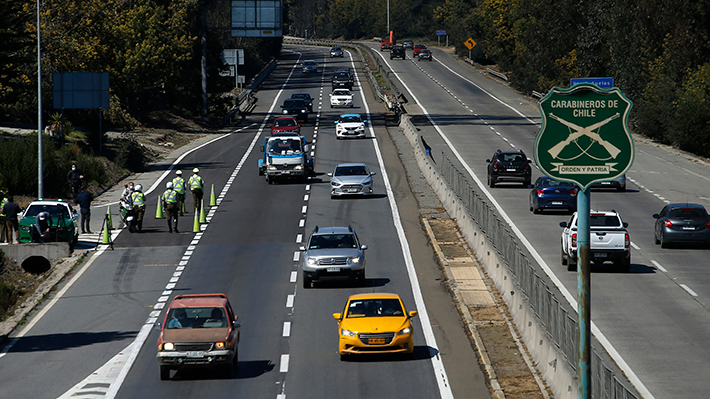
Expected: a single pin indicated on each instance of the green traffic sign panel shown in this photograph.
(584, 136)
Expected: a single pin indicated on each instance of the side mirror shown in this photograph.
(529, 161)
(373, 173)
(563, 224)
(236, 324)
(336, 122)
(531, 185)
(306, 148)
(488, 161)
(337, 316)
(156, 326)
(626, 225)
(363, 247)
(413, 313)
(365, 121)
(261, 148)
(301, 248)
(330, 174)
(656, 216)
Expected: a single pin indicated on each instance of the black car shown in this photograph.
(509, 166)
(682, 223)
(296, 107)
(342, 79)
(398, 52)
(336, 52)
(551, 194)
(424, 55)
(305, 97)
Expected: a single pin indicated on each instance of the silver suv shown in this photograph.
(333, 253)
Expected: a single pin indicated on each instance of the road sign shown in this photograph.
(470, 43)
(441, 33)
(584, 136)
(603, 83)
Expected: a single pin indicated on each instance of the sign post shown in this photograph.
(584, 139)
(470, 44)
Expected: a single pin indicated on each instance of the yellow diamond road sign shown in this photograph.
(470, 43)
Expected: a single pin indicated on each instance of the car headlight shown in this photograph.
(299, 167)
(335, 183)
(354, 259)
(303, 111)
(168, 346)
(285, 112)
(219, 345)
(312, 261)
(367, 182)
(347, 333)
(271, 167)
(405, 331)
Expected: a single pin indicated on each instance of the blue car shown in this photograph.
(550, 194)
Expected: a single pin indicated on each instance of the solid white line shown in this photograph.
(640, 387)
(287, 329)
(440, 375)
(284, 363)
(658, 265)
(691, 292)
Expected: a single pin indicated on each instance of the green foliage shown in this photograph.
(691, 128)
(129, 156)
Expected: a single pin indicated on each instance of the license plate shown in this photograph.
(556, 202)
(688, 228)
(376, 341)
(511, 170)
(352, 190)
(600, 255)
(196, 354)
(129, 218)
(333, 269)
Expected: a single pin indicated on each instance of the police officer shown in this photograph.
(3, 227)
(170, 204)
(42, 228)
(179, 187)
(138, 199)
(11, 210)
(196, 183)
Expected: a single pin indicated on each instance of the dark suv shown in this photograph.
(509, 166)
(398, 52)
(342, 79)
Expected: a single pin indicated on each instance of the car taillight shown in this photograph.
(540, 193)
(627, 241)
(495, 165)
(668, 223)
(574, 240)
(707, 224)
(573, 192)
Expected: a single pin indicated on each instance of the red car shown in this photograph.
(285, 124)
(417, 48)
(199, 330)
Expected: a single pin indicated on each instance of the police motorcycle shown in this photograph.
(127, 215)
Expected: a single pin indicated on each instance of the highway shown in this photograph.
(656, 316)
(94, 336)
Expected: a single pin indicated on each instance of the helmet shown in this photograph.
(178, 172)
(42, 216)
(196, 170)
(169, 184)
(138, 187)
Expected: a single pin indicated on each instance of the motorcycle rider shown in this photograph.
(179, 186)
(170, 204)
(138, 199)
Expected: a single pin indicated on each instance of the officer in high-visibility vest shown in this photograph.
(170, 204)
(196, 184)
(138, 205)
(3, 227)
(179, 187)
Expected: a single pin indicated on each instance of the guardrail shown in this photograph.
(246, 99)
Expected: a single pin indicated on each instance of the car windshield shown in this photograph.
(302, 96)
(510, 158)
(341, 75)
(330, 241)
(197, 317)
(688, 213)
(54, 210)
(555, 183)
(335, 49)
(357, 170)
(294, 103)
(309, 63)
(419, 46)
(284, 122)
(341, 93)
(350, 119)
(374, 308)
(284, 146)
(603, 221)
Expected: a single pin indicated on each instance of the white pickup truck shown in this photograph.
(608, 241)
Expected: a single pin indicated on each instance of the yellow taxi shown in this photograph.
(375, 323)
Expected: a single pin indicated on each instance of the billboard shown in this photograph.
(81, 90)
(253, 18)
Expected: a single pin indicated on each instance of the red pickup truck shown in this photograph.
(387, 43)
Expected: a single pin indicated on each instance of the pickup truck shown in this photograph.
(285, 157)
(608, 241)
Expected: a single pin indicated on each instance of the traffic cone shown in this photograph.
(196, 225)
(159, 211)
(203, 217)
(105, 238)
(213, 199)
(109, 223)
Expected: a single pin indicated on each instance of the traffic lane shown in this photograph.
(97, 317)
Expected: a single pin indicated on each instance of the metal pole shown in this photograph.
(40, 179)
(204, 61)
(100, 132)
(584, 340)
(388, 16)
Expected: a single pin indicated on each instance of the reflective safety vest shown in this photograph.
(138, 198)
(170, 196)
(179, 185)
(195, 182)
(2, 204)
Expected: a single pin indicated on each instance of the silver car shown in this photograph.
(351, 179)
(309, 66)
(333, 253)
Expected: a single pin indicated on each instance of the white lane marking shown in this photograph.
(283, 368)
(305, 197)
(691, 292)
(294, 276)
(555, 280)
(301, 222)
(658, 265)
(287, 329)
(636, 247)
(289, 300)
(440, 375)
(304, 209)
(299, 238)
(296, 256)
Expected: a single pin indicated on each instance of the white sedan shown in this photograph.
(341, 98)
(350, 125)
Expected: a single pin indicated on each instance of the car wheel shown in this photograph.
(344, 358)
(655, 239)
(621, 189)
(164, 373)
(664, 243)
(571, 264)
(229, 371)
(526, 183)
(491, 181)
(563, 257)
(269, 180)
(331, 106)
(307, 281)
(261, 172)
(623, 266)
(536, 210)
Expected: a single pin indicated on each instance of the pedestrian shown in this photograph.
(170, 204)
(138, 200)
(3, 227)
(196, 183)
(11, 210)
(74, 178)
(179, 187)
(43, 224)
(127, 191)
(84, 201)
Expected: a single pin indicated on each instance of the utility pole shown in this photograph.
(40, 174)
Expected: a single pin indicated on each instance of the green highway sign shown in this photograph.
(584, 136)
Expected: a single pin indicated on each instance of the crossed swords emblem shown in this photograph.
(580, 131)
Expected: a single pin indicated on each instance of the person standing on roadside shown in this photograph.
(10, 210)
(179, 187)
(138, 200)
(170, 204)
(3, 227)
(196, 183)
(84, 201)
(74, 178)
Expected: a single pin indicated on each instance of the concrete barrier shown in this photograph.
(35, 257)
